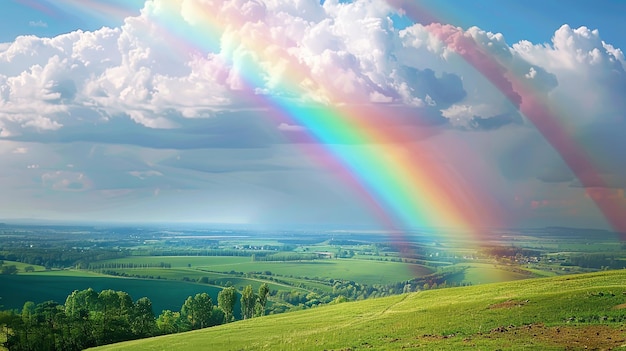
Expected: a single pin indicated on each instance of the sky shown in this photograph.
(393, 114)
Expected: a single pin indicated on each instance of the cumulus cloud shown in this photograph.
(586, 68)
(135, 71)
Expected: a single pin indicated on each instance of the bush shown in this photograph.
(10, 269)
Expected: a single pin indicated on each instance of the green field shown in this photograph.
(21, 266)
(485, 273)
(568, 312)
(362, 271)
(56, 285)
(183, 261)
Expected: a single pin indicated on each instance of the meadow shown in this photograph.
(569, 312)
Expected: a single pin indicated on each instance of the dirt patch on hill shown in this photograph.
(509, 304)
(588, 337)
(620, 306)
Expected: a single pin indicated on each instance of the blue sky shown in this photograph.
(533, 20)
(134, 123)
(49, 18)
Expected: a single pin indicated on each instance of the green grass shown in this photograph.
(445, 319)
(485, 273)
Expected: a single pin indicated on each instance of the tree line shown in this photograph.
(89, 319)
(123, 265)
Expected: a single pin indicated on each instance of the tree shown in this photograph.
(226, 302)
(168, 322)
(79, 303)
(248, 301)
(47, 332)
(9, 320)
(28, 313)
(112, 316)
(204, 309)
(142, 321)
(264, 290)
(197, 311)
(188, 313)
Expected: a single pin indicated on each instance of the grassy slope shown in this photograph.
(529, 314)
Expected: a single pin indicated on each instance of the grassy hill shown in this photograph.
(567, 312)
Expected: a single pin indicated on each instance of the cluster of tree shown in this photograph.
(199, 311)
(7, 269)
(509, 252)
(120, 265)
(89, 319)
(60, 257)
(195, 252)
(286, 256)
(597, 261)
(253, 305)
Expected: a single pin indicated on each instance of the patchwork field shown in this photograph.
(362, 271)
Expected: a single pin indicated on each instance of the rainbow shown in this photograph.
(406, 184)
(531, 104)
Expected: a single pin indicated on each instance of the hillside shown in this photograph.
(577, 312)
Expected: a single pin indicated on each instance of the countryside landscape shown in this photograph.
(334, 175)
(336, 276)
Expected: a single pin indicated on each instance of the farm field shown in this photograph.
(484, 273)
(21, 267)
(57, 285)
(577, 312)
(363, 271)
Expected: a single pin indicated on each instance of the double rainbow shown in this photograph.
(406, 184)
(534, 106)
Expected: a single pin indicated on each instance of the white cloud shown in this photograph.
(145, 174)
(285, 127)
(38, 23)
(590, 74)
(65, 181)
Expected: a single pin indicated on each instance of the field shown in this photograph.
(569, 312)
(363, 271)
(311, 275)
(56, 285)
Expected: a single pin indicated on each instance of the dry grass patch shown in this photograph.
(587, 337)
(508, 304)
